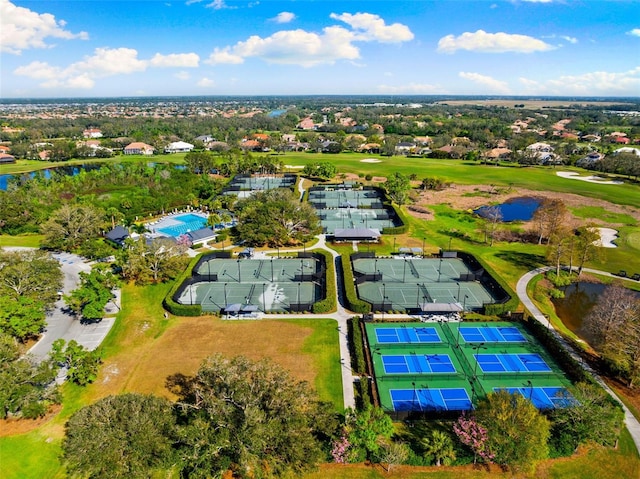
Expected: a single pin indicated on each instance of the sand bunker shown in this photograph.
(294, 167)
(370, 160)
(607, 237)
(572, 175)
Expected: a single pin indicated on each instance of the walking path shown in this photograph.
(340, 316)
(521, 289)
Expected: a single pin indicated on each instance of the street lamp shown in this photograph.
(404, 270)
(384, 296)
(239, 278)
(529, 384)
(225, 295)
(464, 302)
(440, 267)
(264, 300)
(423, 247)
(475, 351)
(458, 298)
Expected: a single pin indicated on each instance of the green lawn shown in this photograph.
(30, 456)
(29, 241)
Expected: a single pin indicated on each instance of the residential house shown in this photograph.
(628, 149)
(4, 149)
(590, 160)
(205, 138)
(404, 148)
(307, 124)
(498, 153)
(6, 158)
(138, 148)
(92, 133)
(591, 138)
(117, 235)
(178, 147)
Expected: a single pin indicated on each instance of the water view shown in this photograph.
(515, 209)
(579, 299)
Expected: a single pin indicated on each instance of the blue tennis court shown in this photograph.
(544, 397)
(432, 399)
(491, 334)
(418, 364)
(407, 335)
(507, 363)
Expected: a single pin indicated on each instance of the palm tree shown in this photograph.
(439, 447)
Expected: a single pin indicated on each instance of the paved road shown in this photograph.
(521, 289)
(61, 323)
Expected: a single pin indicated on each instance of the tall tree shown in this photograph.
(125, 436)
(614, 328)
(22, 318)
(71, 225)
(586, 249)
(154, 262)
(397, 187)
(27, 389)
(276, 218)
(590, 415)
(253, 414)
(518, 432)
(367, 430)
(492, 219)
(550, 216)
(30, 273)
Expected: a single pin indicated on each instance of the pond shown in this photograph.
(515, 209)
(579, 299)
(47, 172)
(69, 170)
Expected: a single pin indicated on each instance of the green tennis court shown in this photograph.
(255, 285)
(429, 367)
(412, 283)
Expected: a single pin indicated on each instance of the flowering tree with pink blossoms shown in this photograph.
(473, 435)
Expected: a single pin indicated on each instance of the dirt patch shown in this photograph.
(379, 179)
(182, 348)
(470, 197)
(12, 427)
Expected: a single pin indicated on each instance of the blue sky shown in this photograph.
(92, 48)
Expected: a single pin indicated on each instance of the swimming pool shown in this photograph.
(185, 224)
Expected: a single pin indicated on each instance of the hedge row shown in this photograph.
(353, 302)
(499, 309)
(575, 372)
(328, 304)
(396, 230)
(178, 309)
(358, 363)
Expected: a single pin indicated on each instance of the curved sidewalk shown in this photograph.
(521, 290)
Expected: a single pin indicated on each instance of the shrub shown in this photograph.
(353, 302)
(328, 304)
(178, 309)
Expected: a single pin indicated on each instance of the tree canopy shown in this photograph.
(277, 218)
(252, 417)
(517, 432)
(124, 436)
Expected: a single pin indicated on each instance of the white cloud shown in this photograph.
(538, 1)
(219, 5)
(178, 60)
(635, 32)
(21, 29)
(206, 83)
(224, 55)
(300, 47)
(369, 27)
(588, 84)
(284, 17)
(104, 62)
(497, 86)
(484, 42)
(415, 88)
(182, 75)
(572, 40)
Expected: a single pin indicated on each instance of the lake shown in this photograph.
(515, 209)
(579, 299)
